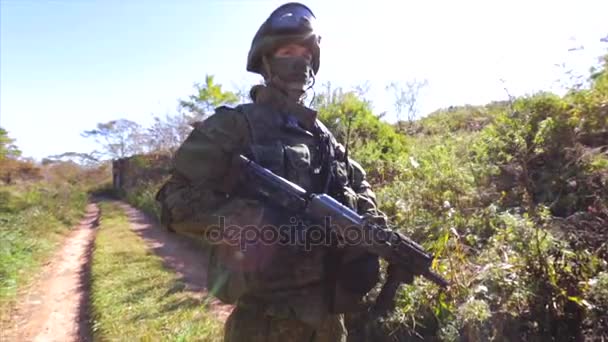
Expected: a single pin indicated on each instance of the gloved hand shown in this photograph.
(374, 218)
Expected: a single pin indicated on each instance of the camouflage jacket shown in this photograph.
(288, 139)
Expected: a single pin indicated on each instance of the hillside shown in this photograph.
(512, 198)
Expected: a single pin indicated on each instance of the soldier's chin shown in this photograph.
(293, 92)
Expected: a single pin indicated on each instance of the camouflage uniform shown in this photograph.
(277, 289)
(282, 292)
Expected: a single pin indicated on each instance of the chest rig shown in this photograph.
(309, 156)
(305, 153)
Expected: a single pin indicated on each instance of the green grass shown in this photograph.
(34, 218)
(134, 297)
(143, 197)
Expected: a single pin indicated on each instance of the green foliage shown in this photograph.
(124, 138)
(512, 199)
(208, 96)
(458, 118)
(599, 289)
(35, 214)
(7, 146)
(12, 167)
(143, 196)
(374, 143)
(598, 299)
(33, 218)
(143, 301)
(515, 213)
(544, 153)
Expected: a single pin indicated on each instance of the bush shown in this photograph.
(511, 198)
(143, 196)
(374, 143)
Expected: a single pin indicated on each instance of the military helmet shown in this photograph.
(290, 23)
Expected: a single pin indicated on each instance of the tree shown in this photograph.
(369, 138)
(208, 96)
(12, 166)
(8, 157)
(406, 98)
(8, 149)
(82, 159)
(119, 138)
(165, 135)
(373, 143)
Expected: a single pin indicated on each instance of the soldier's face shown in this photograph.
(294, 50)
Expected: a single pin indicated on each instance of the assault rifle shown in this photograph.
(399, 251)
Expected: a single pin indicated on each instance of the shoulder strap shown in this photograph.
(336, 146)
(244, 110)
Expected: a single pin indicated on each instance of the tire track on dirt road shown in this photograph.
(55, 307)
(182, 255)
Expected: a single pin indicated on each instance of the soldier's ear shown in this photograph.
(266, 72)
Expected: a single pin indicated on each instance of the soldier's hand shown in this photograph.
(371, 218)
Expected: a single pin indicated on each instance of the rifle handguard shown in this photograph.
(406, 256)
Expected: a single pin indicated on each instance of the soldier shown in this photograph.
(281, 292)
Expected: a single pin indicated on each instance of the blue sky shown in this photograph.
(66, 65)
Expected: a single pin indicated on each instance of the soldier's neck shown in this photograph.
(271, 96)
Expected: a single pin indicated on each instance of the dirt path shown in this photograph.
(55, 308)
(180, 254)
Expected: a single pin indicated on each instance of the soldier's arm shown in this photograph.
(366, 198)
(193, 198)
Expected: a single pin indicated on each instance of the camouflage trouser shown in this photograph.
(249, 325)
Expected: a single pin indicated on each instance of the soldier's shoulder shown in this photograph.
(224, 116)
(357, 168)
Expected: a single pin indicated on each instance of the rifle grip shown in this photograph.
(385, 302)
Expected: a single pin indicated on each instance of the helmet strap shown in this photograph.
(313, 91)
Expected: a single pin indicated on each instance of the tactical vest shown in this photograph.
(307, 157)
(292, 279)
